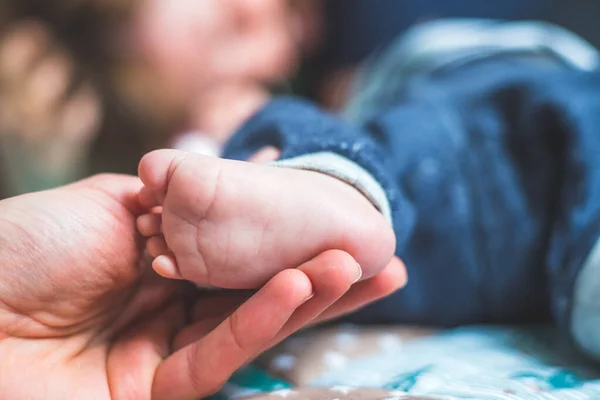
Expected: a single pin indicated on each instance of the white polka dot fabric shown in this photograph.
(310, 354)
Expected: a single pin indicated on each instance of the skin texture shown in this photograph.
(83, 316)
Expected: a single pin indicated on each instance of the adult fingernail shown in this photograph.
(359, 273)
(308, 298)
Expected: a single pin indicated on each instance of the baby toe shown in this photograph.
(166, 266)
(157, 167)
(157, 246)
(148, 198)
(150, 224)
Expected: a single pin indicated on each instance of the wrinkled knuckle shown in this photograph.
(237, 331)
(198, 373)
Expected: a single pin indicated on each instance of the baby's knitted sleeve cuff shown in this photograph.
(312, 139)
(348, 171)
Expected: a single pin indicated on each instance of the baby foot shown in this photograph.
(235, 224)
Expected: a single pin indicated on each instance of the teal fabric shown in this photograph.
(250, 380)
(479, 363)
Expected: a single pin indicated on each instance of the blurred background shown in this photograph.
(89, 86)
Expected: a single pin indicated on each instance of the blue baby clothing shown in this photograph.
(488, 155)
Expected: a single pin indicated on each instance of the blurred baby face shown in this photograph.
(191, 44)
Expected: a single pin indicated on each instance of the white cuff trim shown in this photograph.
(341, 168)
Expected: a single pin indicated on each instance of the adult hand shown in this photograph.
(82, 317)
(229, 330)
